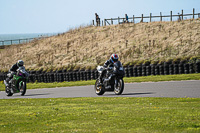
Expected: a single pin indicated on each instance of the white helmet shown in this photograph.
(20, 63)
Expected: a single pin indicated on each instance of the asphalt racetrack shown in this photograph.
(147, 89)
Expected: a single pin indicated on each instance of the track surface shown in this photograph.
(146, 89)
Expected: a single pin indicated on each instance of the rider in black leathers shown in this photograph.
(113, 59)
(13, 70)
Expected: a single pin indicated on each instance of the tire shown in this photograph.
(8, 92)
(126, 72)
(171, 69)
(135, 72)
(166, 69)
(161, 69)
(186, 68)
(130, 71)
(144, 70)
(191, 68)
(120, 89)
(176, 69)
(139, 71)
(23, 89)
(98, 90)
(198, 67)
(157, 71)
(180, 69)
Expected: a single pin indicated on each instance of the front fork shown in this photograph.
(116, 83)
(20, 84)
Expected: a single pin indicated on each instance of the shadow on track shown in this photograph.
(138, 93)
(36, 94)
(129, 94)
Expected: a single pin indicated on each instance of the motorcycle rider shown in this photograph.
(12, 71)
(113, 59)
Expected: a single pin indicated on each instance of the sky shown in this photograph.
(57, 16)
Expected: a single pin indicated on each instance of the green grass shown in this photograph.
(157, 78)
(100, 115)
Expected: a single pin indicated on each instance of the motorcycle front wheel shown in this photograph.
(99, 90)
(119, 88)
(23, 88)
(8, 91)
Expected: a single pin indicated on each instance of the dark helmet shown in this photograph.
(20, 63)
(114, 58)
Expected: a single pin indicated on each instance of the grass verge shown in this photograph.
(156, 78)
(100, 115)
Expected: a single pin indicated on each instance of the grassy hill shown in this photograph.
(86, 47)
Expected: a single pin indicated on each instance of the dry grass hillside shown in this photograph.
(89, 46)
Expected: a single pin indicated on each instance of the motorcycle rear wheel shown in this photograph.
(120, 87)
(99, 90)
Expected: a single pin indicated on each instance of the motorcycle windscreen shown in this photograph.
(120, 69)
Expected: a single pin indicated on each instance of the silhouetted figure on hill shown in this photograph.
(97, 19)
(126, 17)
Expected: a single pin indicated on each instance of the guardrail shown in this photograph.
(18, 41)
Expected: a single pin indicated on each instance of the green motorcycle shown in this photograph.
(17, 83)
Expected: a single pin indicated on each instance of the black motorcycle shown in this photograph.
(112, 78)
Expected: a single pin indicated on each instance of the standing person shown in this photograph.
(126, 17)
(97, 19)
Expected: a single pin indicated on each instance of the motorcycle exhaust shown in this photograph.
(105, 80)
(108, 87)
